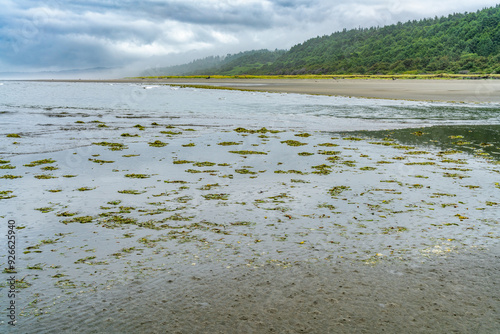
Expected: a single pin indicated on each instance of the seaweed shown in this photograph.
(261, 130)
(97, 161)
(6, 194)
(157, 143)
(337, 190)
(47, 168)
(204, 164)
(131, 192)
(7, 166)
(248, 152)
(171, 133)
(222, 197)
(85, 188)
(112, 146)
(138, 176)
(80, 219)
(244, 171)
(293, 142)
(40, 162)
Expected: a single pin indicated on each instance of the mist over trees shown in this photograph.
(248, 62)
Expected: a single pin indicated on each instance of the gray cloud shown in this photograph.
(58, 34)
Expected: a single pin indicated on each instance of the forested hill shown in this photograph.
(458, 43)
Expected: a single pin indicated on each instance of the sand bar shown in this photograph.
(471, 91)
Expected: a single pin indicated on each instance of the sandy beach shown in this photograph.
(149, 208)
(471, 91)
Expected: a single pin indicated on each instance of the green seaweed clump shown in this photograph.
(293, 142)
(329, 152)
(222, 197)
(45, 209)
(419, 133)
(245, 171)
(50, 168)
(204, 164)
(112, 146)
(6, 194)
(138, 176)
(322, 169)
(248, 152)
(7, 166)
(335, 191)
(45, 176)
(98, 161)
(209, 186)
(179, 162)
(131, 192)
(10, 177)
(261, 130)
(13, 135)
(66, 214)
(129, 135)
(85, 188)
(171, 133)
(80, 219)
(290, 171)
(243, 223)
(157, 143)
(40, 162)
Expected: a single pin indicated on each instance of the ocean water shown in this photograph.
(109, 184)
(44, 111)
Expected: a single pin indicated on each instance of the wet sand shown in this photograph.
(475, 91)
(453, 294)
(269, 248)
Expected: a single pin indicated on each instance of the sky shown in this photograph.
(132, 36)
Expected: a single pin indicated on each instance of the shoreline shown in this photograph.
(453, 90)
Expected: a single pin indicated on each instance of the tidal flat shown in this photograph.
(236, 226)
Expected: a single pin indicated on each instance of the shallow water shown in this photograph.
(45, 112)
(370, 182)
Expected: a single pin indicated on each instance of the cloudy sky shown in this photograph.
(75, 34)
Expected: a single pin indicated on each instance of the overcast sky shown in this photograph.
(74, 34)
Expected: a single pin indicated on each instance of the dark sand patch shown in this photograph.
(453, 294)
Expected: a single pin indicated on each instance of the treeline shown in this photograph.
(458, 43)
(248, 62)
